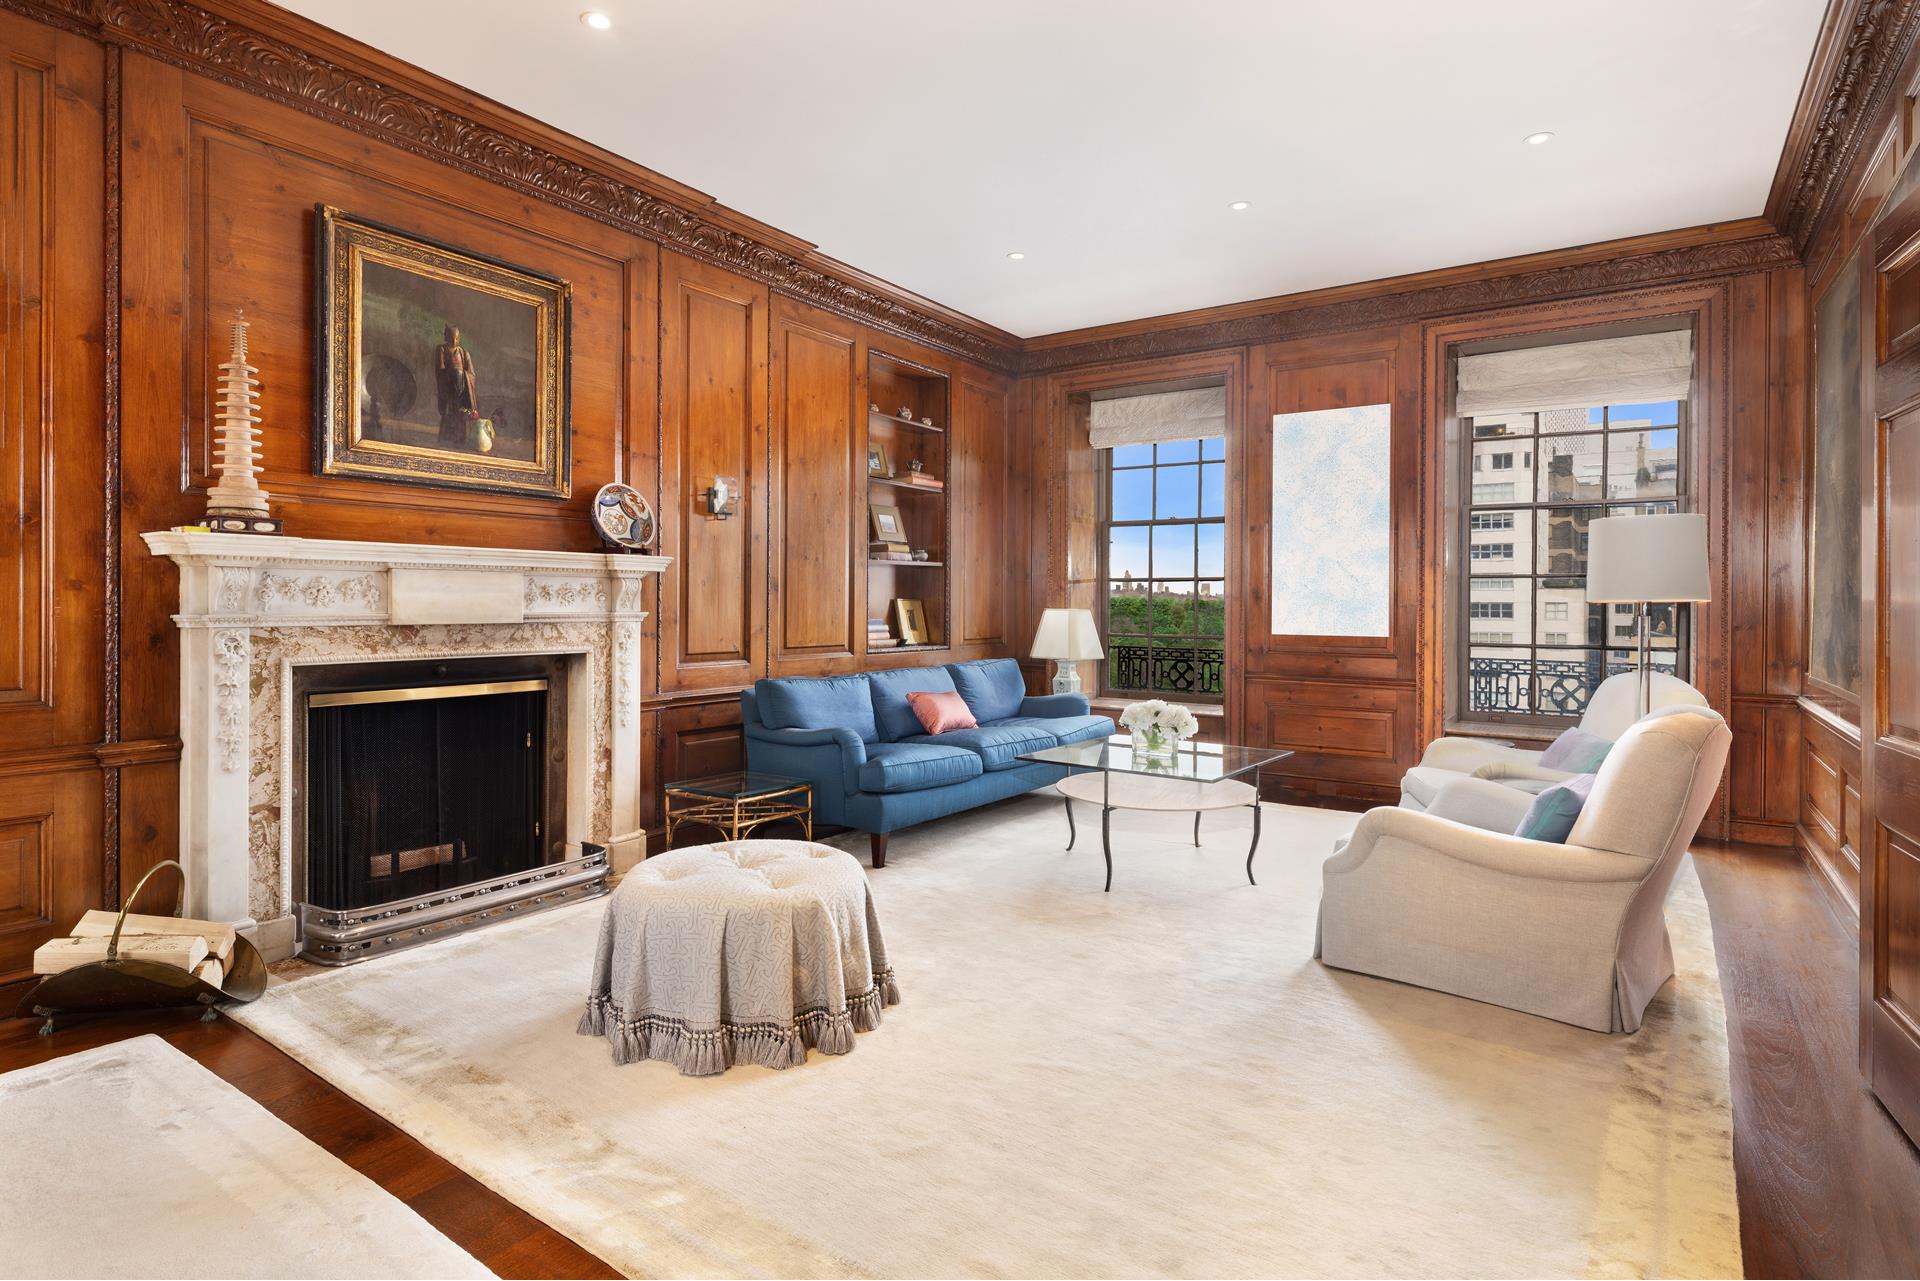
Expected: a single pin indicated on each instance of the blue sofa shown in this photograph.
(873, 767)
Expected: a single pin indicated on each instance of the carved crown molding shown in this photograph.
(1659, 267)
(1833, 122)
(226, 50)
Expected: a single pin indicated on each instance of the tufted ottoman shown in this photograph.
(740, 952)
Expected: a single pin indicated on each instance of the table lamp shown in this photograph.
(1068, 637)
(1643, 561)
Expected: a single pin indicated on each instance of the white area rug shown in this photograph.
(1160, 1080)
(132, 1160)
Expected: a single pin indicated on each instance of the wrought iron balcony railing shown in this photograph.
(1169, 666)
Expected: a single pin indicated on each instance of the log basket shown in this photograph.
(115, 985)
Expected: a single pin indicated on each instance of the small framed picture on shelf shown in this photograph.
(910, 621)
(887, 526)
(877, 462)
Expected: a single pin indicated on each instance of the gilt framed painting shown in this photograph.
(436, 366)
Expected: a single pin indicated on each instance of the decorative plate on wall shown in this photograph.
(622, 517)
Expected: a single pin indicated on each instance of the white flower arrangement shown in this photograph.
(1157, 725)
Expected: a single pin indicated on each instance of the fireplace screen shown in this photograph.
(413, 791)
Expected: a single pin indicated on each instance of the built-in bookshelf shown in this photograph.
(907, 513)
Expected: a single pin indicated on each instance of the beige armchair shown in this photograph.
(1613, 707)
(1573, 932)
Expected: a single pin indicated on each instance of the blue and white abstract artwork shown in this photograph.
(1332, 527)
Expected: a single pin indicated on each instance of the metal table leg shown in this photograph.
(1196, 829)
(1256, 842)
(1073, 833)
(1106, 843)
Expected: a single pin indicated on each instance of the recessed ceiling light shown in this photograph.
(596, 19)
(1238, 205)
(1016, 255)
(1535, 139)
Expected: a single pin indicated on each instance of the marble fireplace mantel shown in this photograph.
(252, 608)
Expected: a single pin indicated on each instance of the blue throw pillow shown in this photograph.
(992, 687)
(1551, 816)
(1576, 752)
(817, 702)
(892, 710)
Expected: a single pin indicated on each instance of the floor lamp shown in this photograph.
(1069, 638)
(1645, 561)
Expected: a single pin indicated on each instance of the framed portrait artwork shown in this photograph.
(877, 463)
(437, 366)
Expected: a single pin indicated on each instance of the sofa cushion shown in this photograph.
(939, 713)
(817, 702)
(909, 767)
(1066, 729)
(996, 745)
(993, 687)
(1551, 816)
(891, 713)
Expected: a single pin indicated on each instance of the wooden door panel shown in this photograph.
(1890, 702)
(819, 479)
(714, 423)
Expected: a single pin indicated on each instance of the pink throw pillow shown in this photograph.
(938, 713)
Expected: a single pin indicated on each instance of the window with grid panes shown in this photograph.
(1526, 541)
(1164, 509)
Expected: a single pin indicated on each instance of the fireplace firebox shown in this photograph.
(431, 801)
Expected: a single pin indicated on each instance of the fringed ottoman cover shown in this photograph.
(740, 952)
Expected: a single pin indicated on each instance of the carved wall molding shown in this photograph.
(1834, 121)
(1575, 280)
(226, 50)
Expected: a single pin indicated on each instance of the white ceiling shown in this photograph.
(1104, 138)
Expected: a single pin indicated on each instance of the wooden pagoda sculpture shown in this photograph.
(236, 504)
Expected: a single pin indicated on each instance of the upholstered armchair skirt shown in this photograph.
(1574, 932)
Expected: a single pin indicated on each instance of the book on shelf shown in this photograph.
(182, 951)
(905, 558)
(882, 642)
(218, 934)
(921, 480)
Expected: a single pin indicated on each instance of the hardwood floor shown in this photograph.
(1828, 1184)
(505, 1238)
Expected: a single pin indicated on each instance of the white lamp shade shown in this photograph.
(1068, 636)
(1656, 558)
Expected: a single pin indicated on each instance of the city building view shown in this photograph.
(1536, 480)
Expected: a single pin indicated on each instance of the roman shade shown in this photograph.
(1606, 371)
(1164, 415)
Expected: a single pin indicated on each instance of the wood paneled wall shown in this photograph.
(1357, 713)
(144, 201)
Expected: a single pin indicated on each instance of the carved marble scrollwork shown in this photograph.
(318, 591)
(232, 655)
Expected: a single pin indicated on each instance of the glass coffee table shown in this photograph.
(1108, 772)
(734, 804)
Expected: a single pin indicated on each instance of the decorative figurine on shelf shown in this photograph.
(236, 504)
(916, 466)
(874, 405)
(906, 412)
(926, 420)
(920, 555)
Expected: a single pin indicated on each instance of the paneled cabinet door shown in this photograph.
(713, 412)
(1890, 705)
